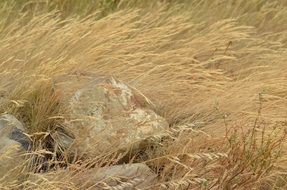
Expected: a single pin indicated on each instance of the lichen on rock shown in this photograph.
(105, 114)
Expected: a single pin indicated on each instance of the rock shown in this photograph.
(12, 130)
(13, 144)
(106, 115)
(130, 176)
(124, 177)
(62, 138)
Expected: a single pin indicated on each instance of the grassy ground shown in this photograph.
(215, 69)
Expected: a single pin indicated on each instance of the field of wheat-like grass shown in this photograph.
(215, 69)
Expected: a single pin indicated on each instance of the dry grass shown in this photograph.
(215, 69)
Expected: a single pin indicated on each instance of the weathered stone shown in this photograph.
(62, 138)
(106, 115)
(130, 176)
(13, 144)
(125, 177)
(12, 130)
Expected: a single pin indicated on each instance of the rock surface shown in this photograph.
(13, 143)
(124, 177)
(11, 131)
(106, 114)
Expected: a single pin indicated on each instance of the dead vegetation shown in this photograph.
(216, 70)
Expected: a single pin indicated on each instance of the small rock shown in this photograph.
(62, 138)
(11, 130)
(130, 176)
(13, 144)
(125, 177)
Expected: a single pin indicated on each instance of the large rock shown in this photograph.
(106, 114)
(13, 144)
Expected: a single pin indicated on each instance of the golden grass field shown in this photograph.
(215, 69)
